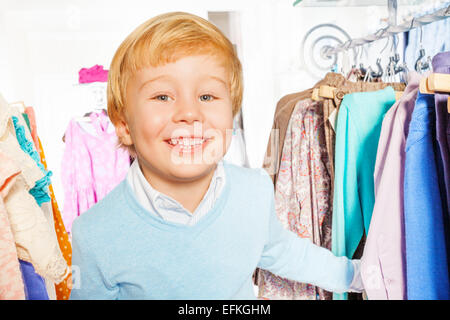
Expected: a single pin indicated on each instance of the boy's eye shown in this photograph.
(162, 97)
(206, 97)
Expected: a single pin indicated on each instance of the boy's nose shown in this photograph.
(188, 113)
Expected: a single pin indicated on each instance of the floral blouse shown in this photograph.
(302, 196)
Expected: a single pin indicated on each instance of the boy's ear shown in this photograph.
(123, 132)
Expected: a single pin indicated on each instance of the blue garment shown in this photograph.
(34, 284)
(435, 39)
(426, 255)
(40, 189)
(123, 251)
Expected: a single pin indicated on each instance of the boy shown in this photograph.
(184, 224)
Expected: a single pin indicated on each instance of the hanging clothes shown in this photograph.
(426, 253)
(383, 268)
(33, 128)
(331, 108)
(33, 236)
(283, 113)
(282, 116)
(62, 288)
(92, 166)
(40, 189)
(441, 64)
(11, 283)
(426, 37)
(286, 105)
(302, 196)
(357, 133)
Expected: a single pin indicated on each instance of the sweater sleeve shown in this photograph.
(298, 259)
(89, 281)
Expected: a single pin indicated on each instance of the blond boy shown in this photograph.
(184, 224)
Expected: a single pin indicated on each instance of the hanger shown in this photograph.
(329, 92)
(86, 116)
(394, 67)
(421, 63)
(357, 73)
(378, 74)
(436, 82)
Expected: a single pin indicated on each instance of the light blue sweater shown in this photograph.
(122, 251)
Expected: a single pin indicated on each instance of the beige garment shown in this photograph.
(34, 238)
(11, 282)
(283, 111)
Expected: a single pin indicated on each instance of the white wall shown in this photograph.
(45, 43)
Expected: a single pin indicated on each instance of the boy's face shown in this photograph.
(179, 117)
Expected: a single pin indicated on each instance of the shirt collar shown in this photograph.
(158, 200)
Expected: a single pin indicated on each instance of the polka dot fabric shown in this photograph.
(63, 288)
(92, 165)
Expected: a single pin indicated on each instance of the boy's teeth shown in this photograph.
(187, 142)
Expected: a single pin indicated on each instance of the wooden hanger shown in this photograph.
(448, 104)
(436, 82)
(315, 94)
(329, 92)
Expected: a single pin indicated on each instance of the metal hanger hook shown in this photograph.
(385, 46)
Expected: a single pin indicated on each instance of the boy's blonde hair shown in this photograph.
(164, 39)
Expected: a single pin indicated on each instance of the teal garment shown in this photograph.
(40, 190)
(357, 132)
(27, 120)
(123, 251)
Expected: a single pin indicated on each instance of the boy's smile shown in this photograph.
(179, 119)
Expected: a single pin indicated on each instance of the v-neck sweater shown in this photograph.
(123, 251)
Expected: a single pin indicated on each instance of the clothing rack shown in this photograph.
(329, 51)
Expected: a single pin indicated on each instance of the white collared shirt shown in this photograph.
(168, 208)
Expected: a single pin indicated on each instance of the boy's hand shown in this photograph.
(357, 284)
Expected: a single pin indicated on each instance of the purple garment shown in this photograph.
(92, 166)
(383, 263)
(34, 284)
(441, 64)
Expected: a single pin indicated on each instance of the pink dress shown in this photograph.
(92, 166)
